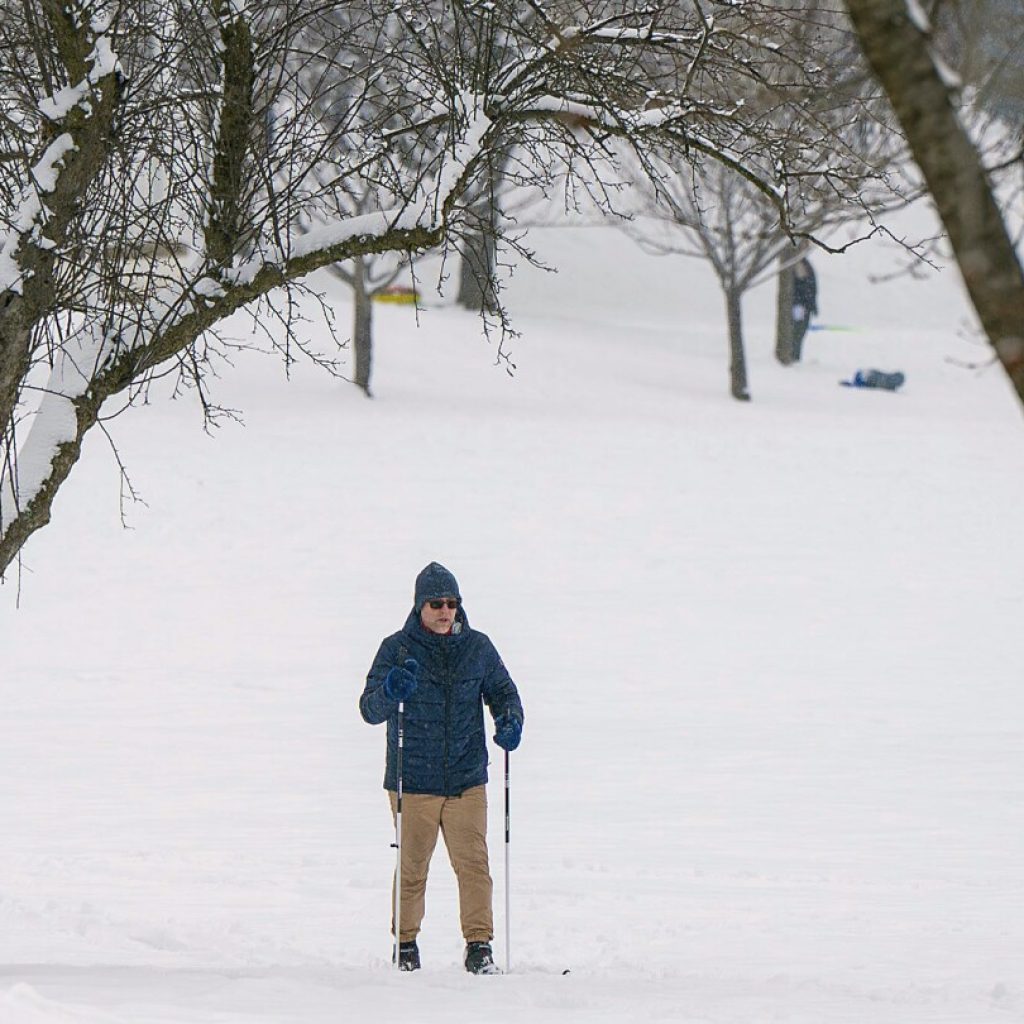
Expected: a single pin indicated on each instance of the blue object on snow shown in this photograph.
(876, 379)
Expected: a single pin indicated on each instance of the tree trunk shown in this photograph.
(362, 327)
(737, 355)
(479, 256)
(785, 348)
(477, 288)
(899, 54)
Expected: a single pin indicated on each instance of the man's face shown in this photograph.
(438, 616)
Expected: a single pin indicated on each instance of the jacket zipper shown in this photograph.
(447, 709)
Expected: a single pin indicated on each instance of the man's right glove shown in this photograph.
(508, 731)
(400, 682)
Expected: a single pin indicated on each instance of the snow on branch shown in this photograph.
(29, 218)
(103, 61)
(30, 214)
(918, 17)
(426, 210)
(55, 422)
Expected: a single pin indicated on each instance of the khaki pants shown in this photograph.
(462, 820)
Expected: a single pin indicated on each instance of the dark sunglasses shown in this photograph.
(452, 602)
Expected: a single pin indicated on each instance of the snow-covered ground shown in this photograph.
(773, 766)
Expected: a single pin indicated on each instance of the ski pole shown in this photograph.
(397, 909)
(508, 901)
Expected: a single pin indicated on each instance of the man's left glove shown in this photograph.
(508, 731)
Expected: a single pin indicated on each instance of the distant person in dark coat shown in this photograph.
(444, 672)
(805, 302)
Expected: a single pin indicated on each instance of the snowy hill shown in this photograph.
(769, 655)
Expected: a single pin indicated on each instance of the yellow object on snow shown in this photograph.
(399, 296)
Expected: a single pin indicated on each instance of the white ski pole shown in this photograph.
(508, 900)
(397, 909)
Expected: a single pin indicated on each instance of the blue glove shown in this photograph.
(400, 683)
(508, 731)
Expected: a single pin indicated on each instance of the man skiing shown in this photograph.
(443, 672)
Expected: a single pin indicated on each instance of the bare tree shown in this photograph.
(715, 214)
(143, 199)
(902, 46)
(840, 158)
(367, 276)
(352, 88)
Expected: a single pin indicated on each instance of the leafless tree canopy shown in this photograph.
(165, 162)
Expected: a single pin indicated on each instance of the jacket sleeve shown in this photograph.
(374, 705)
(499, 692)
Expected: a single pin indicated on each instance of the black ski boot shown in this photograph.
(479, 959)
(408, 956)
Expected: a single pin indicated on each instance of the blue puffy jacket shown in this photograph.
(445, 744)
